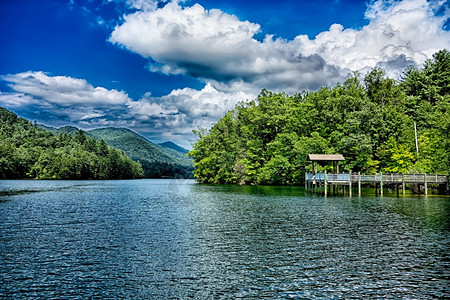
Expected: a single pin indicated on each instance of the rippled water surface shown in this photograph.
(163, 239)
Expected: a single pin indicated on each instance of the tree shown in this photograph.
(266, 140)
(29, 152)
(398, 157)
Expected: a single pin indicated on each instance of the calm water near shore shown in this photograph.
(163, 239)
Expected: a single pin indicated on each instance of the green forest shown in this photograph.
(370, 121)
(27, 151)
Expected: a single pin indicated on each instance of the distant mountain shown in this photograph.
(173, 146)
(29, 151)
(157, 161)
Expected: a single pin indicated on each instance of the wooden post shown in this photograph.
(426, 183)
(326, 183)
(350, 184)
(381, 184)
(403, 183)
(313, 181)
(359, 183)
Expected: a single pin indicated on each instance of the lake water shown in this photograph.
(175, 239)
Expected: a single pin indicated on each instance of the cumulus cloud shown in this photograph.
(174, 116)
(400, 33)
(63, 90)
(17, 100)
(143, 4)
(215, 46)
(185, 109)
(171, 33)
(59, 99)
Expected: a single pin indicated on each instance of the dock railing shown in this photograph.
(385, 177)
(379, 178)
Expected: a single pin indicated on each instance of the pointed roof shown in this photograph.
(325, 157)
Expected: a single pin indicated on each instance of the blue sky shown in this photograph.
(164, 68)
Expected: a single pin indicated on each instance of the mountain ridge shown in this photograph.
(172, 145)
(158, 161)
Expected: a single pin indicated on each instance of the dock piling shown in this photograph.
(381, 184)
(403, 183)
(350, 184)
(359, 183)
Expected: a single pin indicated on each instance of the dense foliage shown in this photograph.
(370, 122)
(157, 161)
(27, 151)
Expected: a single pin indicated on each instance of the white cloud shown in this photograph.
(93, 115)
(14, 100)
(171, 33)
(206, 103)
(398, 34)
(185, 109)
(62, 100)
(216, 46)
(63, 90)
(143, 4)
(174, 116)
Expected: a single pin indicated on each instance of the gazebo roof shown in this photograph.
(325, 157)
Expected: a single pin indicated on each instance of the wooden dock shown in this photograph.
(323, 181)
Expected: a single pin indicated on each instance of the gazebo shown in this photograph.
(320, 158)
(334, 179)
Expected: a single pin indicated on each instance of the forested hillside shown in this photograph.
(65, 129)
(173, 146)
(370, 122)
(27, 151)
(157, 162)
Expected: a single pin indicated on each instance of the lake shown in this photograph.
(175, 239)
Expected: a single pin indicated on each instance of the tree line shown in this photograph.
(27, 151)
(370, 121)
